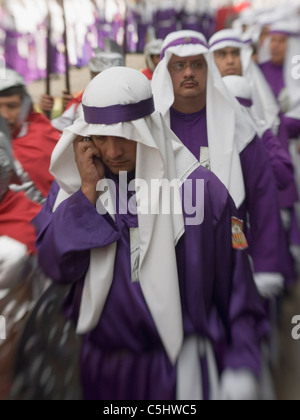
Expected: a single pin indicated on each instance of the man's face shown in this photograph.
(189, 76)
(118, 154)
(10, 108)
(278, 48)
(228, 61)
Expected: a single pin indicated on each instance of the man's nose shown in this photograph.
(189, 71)
(230, 59)
(114, 150)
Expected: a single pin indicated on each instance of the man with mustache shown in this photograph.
(211, 125)
(190, 93)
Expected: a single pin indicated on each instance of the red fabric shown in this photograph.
(227, 14)
(16, 214)
(148, 73)
(76, 100)
(34, 150)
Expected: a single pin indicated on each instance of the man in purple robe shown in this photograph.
(212, 126)
(145, 279)
(233, 58)
(281, 74)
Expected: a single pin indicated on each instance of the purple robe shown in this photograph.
(12, 56)
(165, 22)
(191, 22)
(280, 160)
(290, 127)
(208, 23)
(131, 31)
(275, 77)
(123, 357)
(58, 63)
(266, 238)
(104, 30)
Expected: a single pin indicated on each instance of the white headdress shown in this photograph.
(125, 109)
(109, 56)
(13, 79)
(240, 88)
(228, 131)
(267, 107)
(152, 48)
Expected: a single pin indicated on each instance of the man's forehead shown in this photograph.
(10, 99)
(228, 50)
(190, 58)
(279, 37)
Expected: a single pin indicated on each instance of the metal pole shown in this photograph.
(67, 72)
(48, 77)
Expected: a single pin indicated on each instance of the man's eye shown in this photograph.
(198, 65)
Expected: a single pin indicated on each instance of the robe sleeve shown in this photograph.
(262, 204)
(280, 160)
(65, 238)
(243, 313)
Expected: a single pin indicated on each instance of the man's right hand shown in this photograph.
(66, 99)
(46, 103)
(90, 166)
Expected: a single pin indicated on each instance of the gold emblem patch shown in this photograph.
(239, 240)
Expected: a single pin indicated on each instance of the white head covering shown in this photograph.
(228, 132)
(111, 56)
(14, 79)
(158, 234)
(291, 28)
(152, 48)
(267, 107)
(240, 88)
(105, 60)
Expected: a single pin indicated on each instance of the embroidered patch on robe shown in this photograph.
(239, 240)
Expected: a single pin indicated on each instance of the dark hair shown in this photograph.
(15, 90)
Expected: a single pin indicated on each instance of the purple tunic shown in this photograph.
(165, 22)
(12, 56)
(275, 77)
(280, 160)
(123, 357)
(131, 31)
(290, 127)
(191, 22)
(266, 234)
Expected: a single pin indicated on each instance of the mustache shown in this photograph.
(191, 80)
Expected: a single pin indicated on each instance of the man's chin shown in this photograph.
(117, 169)
(232, 72)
